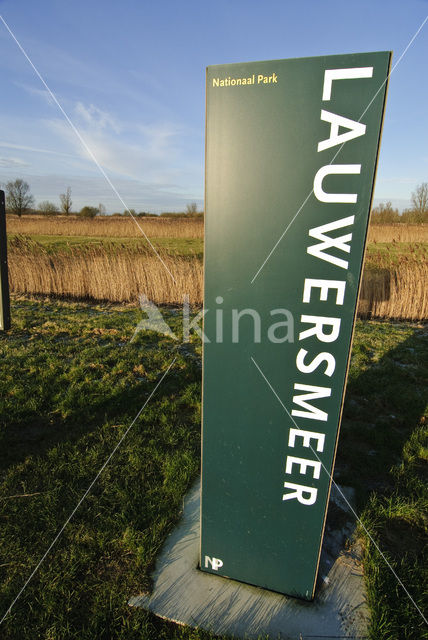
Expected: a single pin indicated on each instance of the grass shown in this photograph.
(385, 252)
(383, 453)
(65, 244)
(392, 253)
(71, 384)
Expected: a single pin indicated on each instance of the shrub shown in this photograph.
(88, 212)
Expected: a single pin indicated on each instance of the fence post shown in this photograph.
(4, 279)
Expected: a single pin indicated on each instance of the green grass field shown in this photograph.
(71, 384)
(394, 252)
(55, 244)
(379, 254)
(186, 246)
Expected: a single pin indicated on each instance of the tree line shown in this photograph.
(385, 213)
(20, 201)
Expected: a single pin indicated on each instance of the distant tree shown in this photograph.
(101, 209)
(49, 208)
(384, 214)
(18, 197)
(65, 200)
(191, 209)
(129, 212)
(88, 212)
(420, 198)
(413, 216)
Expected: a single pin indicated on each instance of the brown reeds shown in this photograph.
(115, 227)
(399, 293)
(105, 226)
(99, 274)
(395, 285)
(398, 232)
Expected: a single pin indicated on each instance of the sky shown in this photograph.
(130, 76)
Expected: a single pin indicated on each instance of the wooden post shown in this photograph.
(4, 278)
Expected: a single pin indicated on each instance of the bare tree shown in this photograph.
(384, 214)
(420, 198)
(18, 197)
(65, 199)
(191, 209)
(101, 209)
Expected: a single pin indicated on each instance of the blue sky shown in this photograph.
(131, 77)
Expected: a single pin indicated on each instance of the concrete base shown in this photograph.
(185, 595)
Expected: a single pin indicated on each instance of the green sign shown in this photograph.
(4, 279)
(291, 153)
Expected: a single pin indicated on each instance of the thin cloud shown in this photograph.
(74, 74)
(13, 163)
(33, 91)
(133, 150)
(161, 139)
(96, 118)
(22, 147)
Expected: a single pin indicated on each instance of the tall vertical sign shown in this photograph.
(291, 152)
(4, 279)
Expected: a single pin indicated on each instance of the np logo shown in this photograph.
(215, 563)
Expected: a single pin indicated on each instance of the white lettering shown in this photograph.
(329, 169)
(303, 464)
(312, 413)
(324, 285)
(299, 491)
(343, 74)
(307, 437)
(215, 563)
(317, 330)
(356, 129)
(340, 243)
(319, 359)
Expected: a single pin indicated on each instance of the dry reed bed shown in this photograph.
(100, 275)
(399, 292)
(105, 226)
(388, 290)
(398, 233)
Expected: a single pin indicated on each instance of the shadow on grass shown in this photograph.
(43, 409)
(383, 406)
(382, 454)
(35, 434)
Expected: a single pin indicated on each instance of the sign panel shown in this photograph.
(291, 151)
(4, 278)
